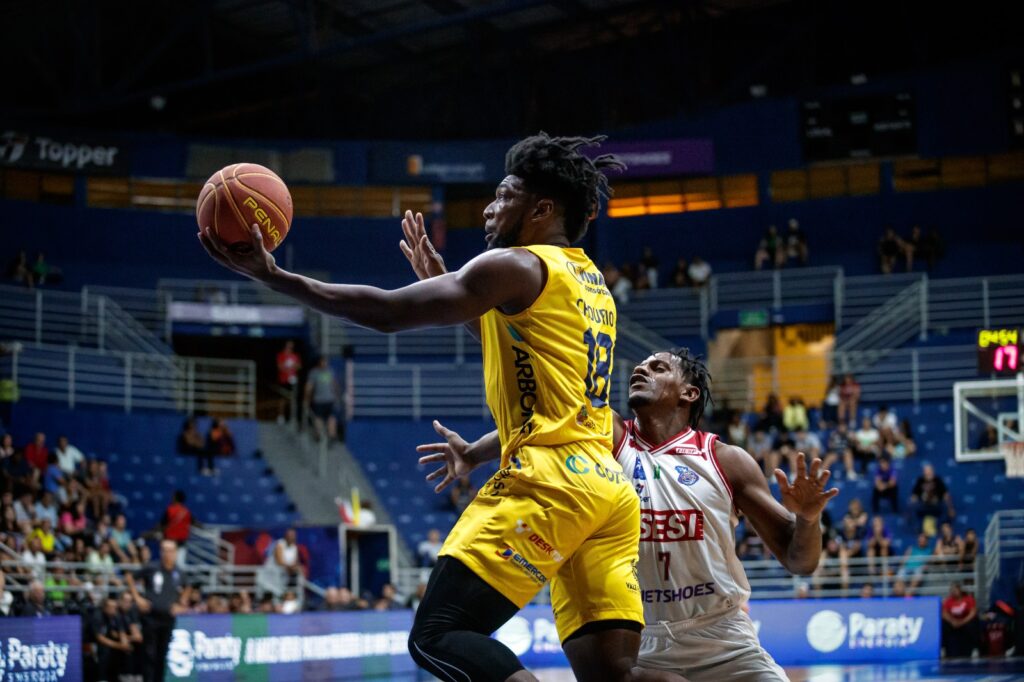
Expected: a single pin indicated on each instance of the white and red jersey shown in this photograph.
(688, 564)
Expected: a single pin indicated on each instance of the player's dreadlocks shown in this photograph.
(695, 370)
(555, 168)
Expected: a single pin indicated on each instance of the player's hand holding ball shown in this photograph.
(244, 212)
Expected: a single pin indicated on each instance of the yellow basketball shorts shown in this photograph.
(562, 516)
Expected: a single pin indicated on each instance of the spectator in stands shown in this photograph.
(914, 246)
(968, 551)
(619, 285)
(738, 432)
(839, 446)
(6, 598)
(771, 417)
(866, 444)
(267, 604)
(794, 416)
(649, 264)
(47, 540)
(915, 562)
(829, 574)
(70, 459)
(44, 273)
(796, 244)
(852, 538)
(680, 275)
(98, 489)
(959, 623)
(283, 565)
(462, 493)
(934, 248)
(428, 550)
(699, 272)
(849, 397)
(101, 565)
(25, 509)
(112, 644)
(36, 604)
(121, 541)
(240, 602)
(20, 474)
(899, 589)
(949, 547)
(176, 524)
(191, 442)
(53, 477)
(887, 425)
(830, 406)
(903, 445)
(323, 396)
(770, 250)
(930, 498)
(46, 509)
(886, 487)
(133, 664)
(389, 600)
(867, 591)
(6, 446)
(346, 601)
(219, 443)
(36, 452)
(163, 595)
(73, 521)
(989, 439)
(19, 272)
(855, 513)
(890, 249)
(288, 365)
(33, 558)
(761, 449)
(879, 542)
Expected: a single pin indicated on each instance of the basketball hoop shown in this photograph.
(1013, 453)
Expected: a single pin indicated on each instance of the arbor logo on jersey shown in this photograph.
(526, 382)
(687, 476)
(509, 553)
(671, 525)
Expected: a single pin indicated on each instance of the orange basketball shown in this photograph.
(242, 195)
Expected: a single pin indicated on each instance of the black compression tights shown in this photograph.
(451, 633)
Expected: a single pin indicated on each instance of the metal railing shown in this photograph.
(773, 288)
(207, 548)
(900, 318)
(847, 577)
(1004, 541)
(132, 381)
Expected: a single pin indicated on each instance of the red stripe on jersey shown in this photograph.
(670, 441)
(626, 428)
(714, 460)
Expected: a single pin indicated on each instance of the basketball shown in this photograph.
(241, 195)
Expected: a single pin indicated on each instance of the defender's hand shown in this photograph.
(256, 264)
(454, 453)
(425, 260)
(807, 496)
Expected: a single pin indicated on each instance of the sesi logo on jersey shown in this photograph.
(671, 525)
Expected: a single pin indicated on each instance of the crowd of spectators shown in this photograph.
(646, 274)
(895, 251)
(35, 273)
(218, 442)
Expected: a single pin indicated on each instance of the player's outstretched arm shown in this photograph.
(457, 456)
(792, 529)
(426, 262)
(507, 278)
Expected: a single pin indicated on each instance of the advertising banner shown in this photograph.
(849, 630)
(73, 154)
(653, 158)
(310, 646)
(41, 649)
(427, 163)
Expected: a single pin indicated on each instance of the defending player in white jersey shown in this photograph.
(692, 583)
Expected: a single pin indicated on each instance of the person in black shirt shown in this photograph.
(36, 604)
(112, 645)
(931, 497)
(133, 662)
(162, 596)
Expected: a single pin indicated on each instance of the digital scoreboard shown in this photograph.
(999, 351)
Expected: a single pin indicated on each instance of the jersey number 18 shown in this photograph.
(599, 366)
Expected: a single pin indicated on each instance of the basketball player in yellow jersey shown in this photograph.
(558, 511)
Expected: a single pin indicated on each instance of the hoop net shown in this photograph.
(1013, 453)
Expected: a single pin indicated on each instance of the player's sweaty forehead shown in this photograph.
(664, 358)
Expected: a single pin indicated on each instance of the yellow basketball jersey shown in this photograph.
(548, 368)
